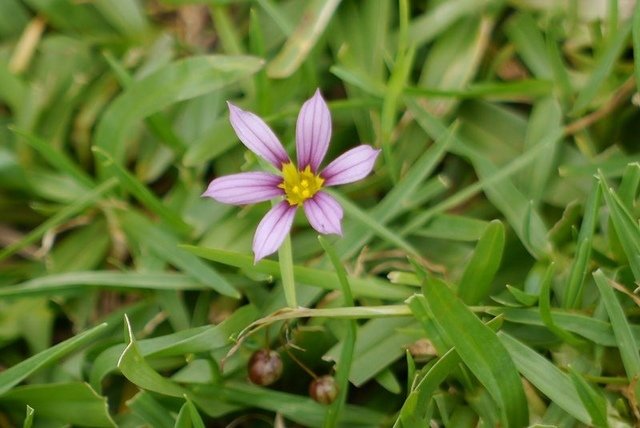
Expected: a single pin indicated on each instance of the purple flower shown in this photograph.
(300, 185)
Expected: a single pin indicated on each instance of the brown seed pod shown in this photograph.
(324, 389)
(265, 367)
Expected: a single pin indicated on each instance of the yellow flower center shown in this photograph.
(298, 185)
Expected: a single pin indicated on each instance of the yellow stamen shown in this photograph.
(299, 185)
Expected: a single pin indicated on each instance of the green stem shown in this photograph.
(348, 343)
(286, 273)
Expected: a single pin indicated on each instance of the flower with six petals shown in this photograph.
(300, 185)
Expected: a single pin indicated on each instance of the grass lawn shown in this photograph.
(436, 225)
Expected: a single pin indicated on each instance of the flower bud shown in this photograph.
(265, 367)
(324, 389)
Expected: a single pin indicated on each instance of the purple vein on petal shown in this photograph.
(324, 213)
(273, 229)
(245, 188)
(257, 136)
(313, 132)
(353, 165)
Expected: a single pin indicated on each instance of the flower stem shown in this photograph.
(286, 273)
(348, 343)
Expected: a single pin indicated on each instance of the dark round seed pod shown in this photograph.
(324, 389)
(265, 367)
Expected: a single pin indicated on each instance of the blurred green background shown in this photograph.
(493, 255)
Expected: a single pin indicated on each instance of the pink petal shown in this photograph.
(257, 136)
(324, 213)
(273, 229)
(351, 166)
(245, 188)
(313, 132)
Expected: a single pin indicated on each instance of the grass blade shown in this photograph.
(477, 278)
(626, 343)
(479, 349)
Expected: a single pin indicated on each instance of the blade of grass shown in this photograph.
(16, 374)
(545, 376)
(348, 343)
(367, 220)
(479, 349)
(158, 123)
(635, 22)
(142, 193)
(316, 277)
(625, 226)
(165, 245)
(400, 196)
(73, 403)
(56, 158)
(85, 201)
(178, 81)
(285, 262)
(593, 401)
(627, 345)
(524, 33)
(188, 417)
(477, 278)
(575, 284)
(28, 420)
(603, 67)
(545, 309)
(317, 15)
(69, 281)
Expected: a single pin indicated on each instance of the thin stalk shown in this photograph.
(349, 342)
(285, 260)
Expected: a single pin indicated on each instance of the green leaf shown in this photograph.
(580, 266)
(56, 158)
(603, 67)
(545, 376)
(477, 278)
(299, 409)
(317, 15)
(165, 246)
(597, 331)
(626, 226)
(188, 416)
(178, 81)
(525, 298)
(195, 340)
(479, 349)
(315, 277)
(626, 343)
(79, 281)
(545, 309)
(134, 367)
(454, 59)
(142, 193)
(28, 420)
(348, 342)
(414, 409)
(529, 42)
(366, 220)
(399, 197)
(150, 410)
(126, 15)
(440, 17)
(593, 401)
(635, 22)
(61, 216)
(65, 403)
(16, 374)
